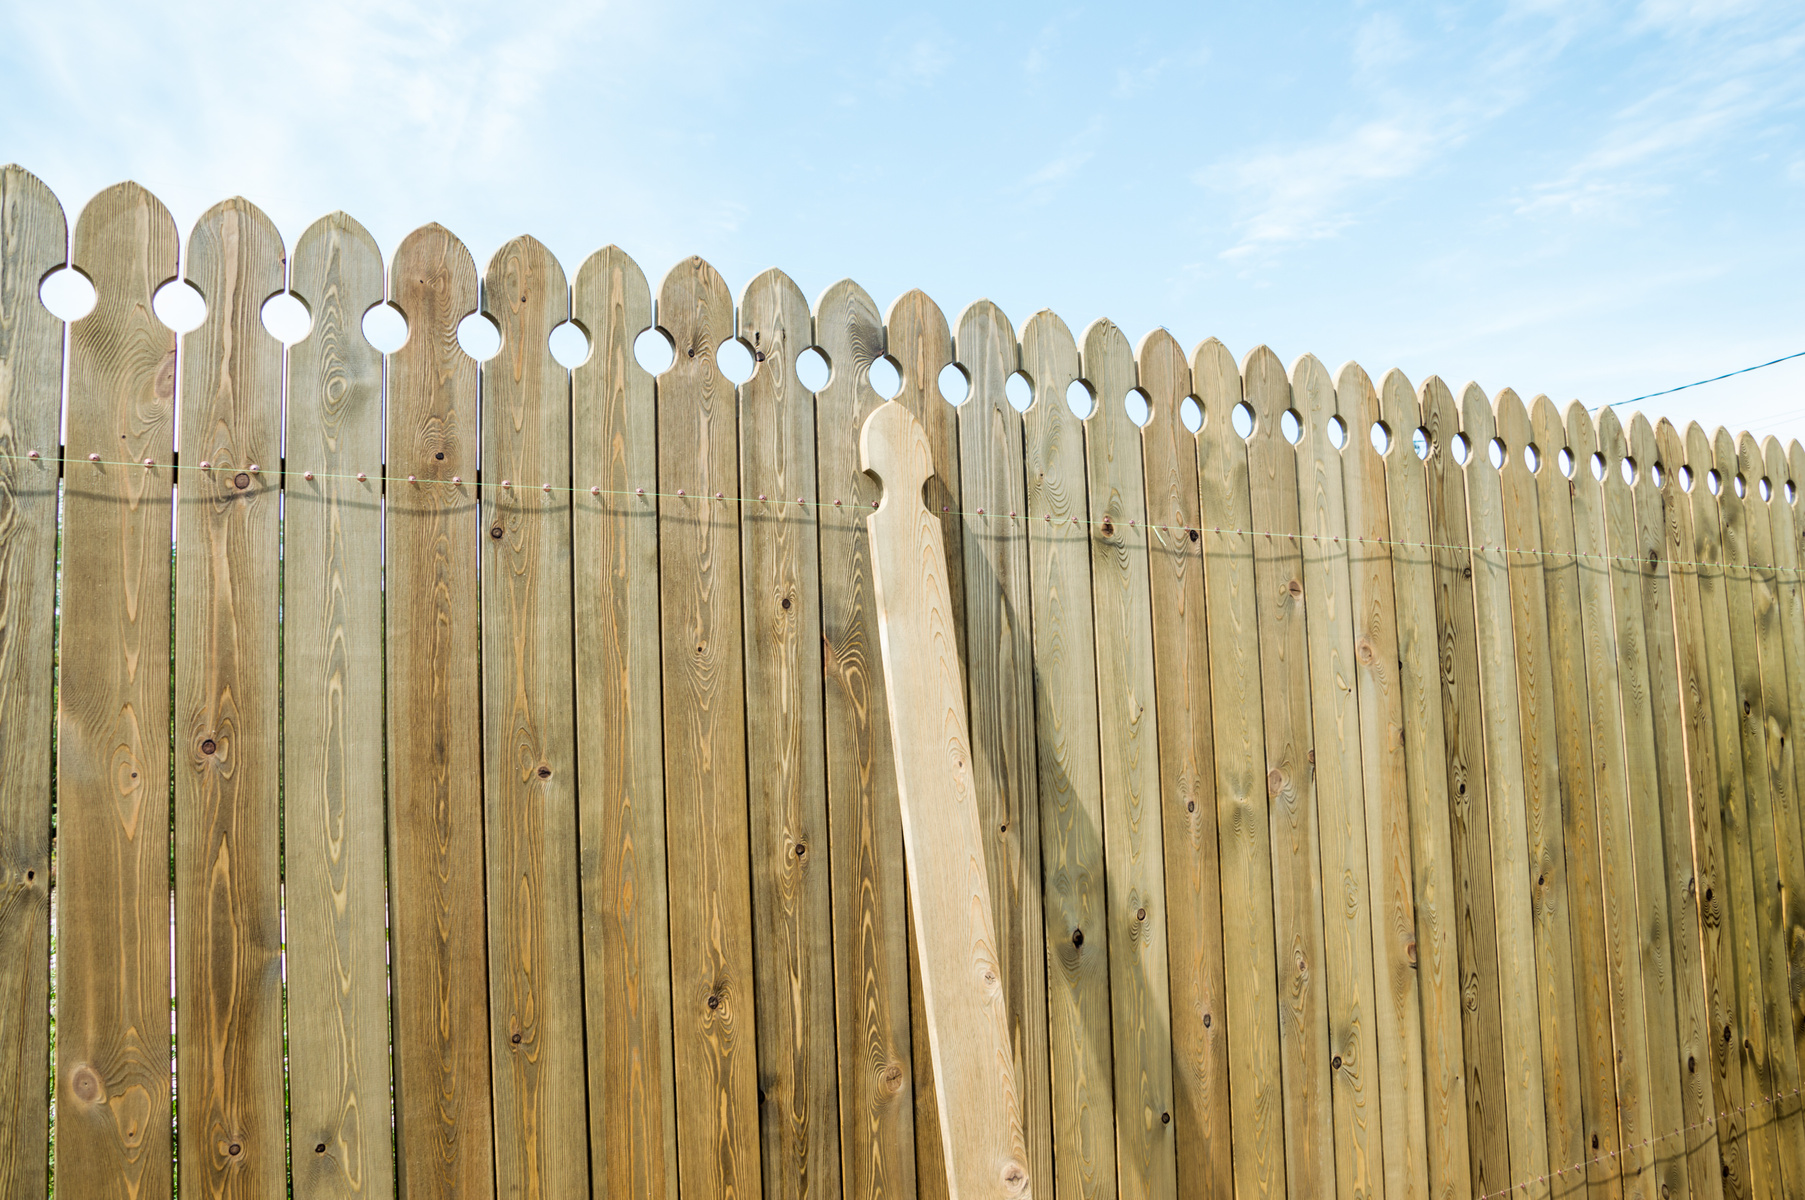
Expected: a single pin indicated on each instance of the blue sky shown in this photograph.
(1588, 199)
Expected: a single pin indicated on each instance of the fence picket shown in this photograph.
(529, 735)
(113, 650)
(1434, 850)
(1071, 810)
(999, 670)
(1187, 751)
(1133, 849)
(34, 240)
(334, 823)
(1323, 555)
(871, 955)
(1556, 994)
(444, 1131)
(1372, 604)
(620, 742)
(1250, 949)
(791, 904)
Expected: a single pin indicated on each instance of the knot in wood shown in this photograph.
(1275, 782)
(893, 1078)
(1295, 588)
(85, 1084)
(1078, 937)
(1015, 1179)
(1363, 650)
(209, 746)
(1108, 527)
(545, 772)
(714, 1002)
(1206, 1020)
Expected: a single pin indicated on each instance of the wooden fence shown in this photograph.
(1410, 809)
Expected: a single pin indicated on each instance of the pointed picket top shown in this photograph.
(336, 264)
(986, 348)
(1480, 425)
(920, 342)
(434, 284)
(1050, 361)
(236, 261)
(526, 294)
(776, 325)
(1109, 369)
(1773, 462)
(1550, 432)
(612, 301)
(1582, 442)
(1313, 397)
(1613, 444)
(1165, 377)
(1400, 412)
(850, 332)
(126, 244)
(1216, 382)
(1267, 390)
(1511, 420)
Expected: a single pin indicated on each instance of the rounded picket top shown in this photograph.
(1050, 361)
(1313, 397)
(235, 254)
(1267, 390)
(1511, 417)
(775, 325)
(35, 232)
(1216, 382)
(1164, 374)
(1478, 424)
(1441, 418)
(1723, 445)
(695, 310)
(849, 333)
(1401, 413)
(1795, 462)
(126, 245)
(526, 296)
(1582, 443)
(1109, 370)
(918, 340)
(985, 348)
(611, 302)
(433, 282)
(1613, 446)
(336, 273)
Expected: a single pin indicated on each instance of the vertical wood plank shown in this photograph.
(1706, 779)
(34, 240)
(1340, 785)
(1746, 1038)
(529, 736)
(1699, 1139)
(705, 744)
(1555, 992)
(1780, 1067)
(1579, 807)
(1256, 1111)
(620, 741)
(1462, 715)
(113, 802)
(1310, 1132)
(334, 824)
(1128, 728)
(870, 914)
(1648, 863)
(227, 865)
(999, 670)
(1377, 674)
(791, 906)
(979, 1113)
(1071, 810)
(1525, 1106)
(441, 1000)
(1201, 1103)
(1433, 848)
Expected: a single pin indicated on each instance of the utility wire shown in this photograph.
(1702, 382)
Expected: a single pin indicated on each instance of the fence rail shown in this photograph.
(477, 778)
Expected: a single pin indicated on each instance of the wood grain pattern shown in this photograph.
(334, 824)
(620, 742)
(705, 745)
(529, 736)
(1512, 882)
(967, 1025)
(1747, 1043)
(1579, 808)
(1433, 848)
(1778, 1062)
(1070, 771)
(444, 1132)
(34, 239)
(1341, 799)
(870, 915)
(1648, 864)
(799, 1117)
(228, 898)
(1133, 838)
(999, 671)
(1372, 602)
(1535, 667)
(1699, 1142)
(1706, 778)
(1462, 716)
(113, 719)
(1310, 1130)
(1201, 1104)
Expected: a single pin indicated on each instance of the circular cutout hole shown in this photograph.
(1627, 469)
(1191, 413)
(955, 384)
(1714, 481)
(1496, 452)
(1242, 419)
(1685, 478)
(1419, 442)
(885, 379)
(479, 336)
(569, 345)
(1019, 392)
(1381, 437)
(1598, 465)
(1741, 485)
(733, 358)
(385, 328)
(1337, 431)
(1080, 399)
(1461, 448)
(1564, 460)
(654, 350)
(1657, 473)
(286, 318)
(1792, 493)
(812, 370)
(1532, 458)
(1139, 406)
(67, 293)
(179, 305)
(1767, 488)
(1291, 427)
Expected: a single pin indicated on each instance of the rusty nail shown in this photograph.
(205, 465)
(836, 504)
(546, 486)
(32, 454)
(980, 512)
(94, 458)
(717, 495)
(507, 483)
(307, 475)
(679, 490)
(150, 462)
(361, 477)
(761, 496)
(255, 469)
(457, 479)
(595, 491)
(639, 492)
(411, 479)
(874, 504)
